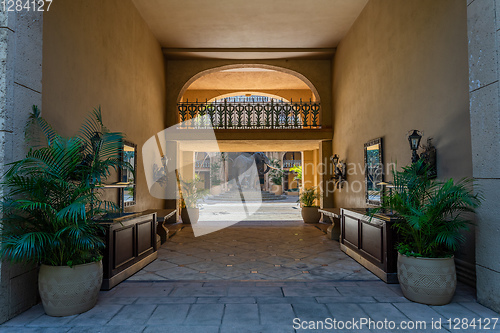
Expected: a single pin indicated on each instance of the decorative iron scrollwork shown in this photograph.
(251, 114)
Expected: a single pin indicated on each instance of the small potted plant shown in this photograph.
(190, 195)
(297, 169)
(307, 198)
(276, 176)
(215, 181)
(48, 210)
(431, 219)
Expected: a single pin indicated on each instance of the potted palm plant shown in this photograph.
(215, 181)
(307, 198)
(431, 216)
(276, 176)
(190, 196)
(49, 208)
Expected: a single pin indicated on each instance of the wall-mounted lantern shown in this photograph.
(428, 154)
(339, 171)
(414, 140)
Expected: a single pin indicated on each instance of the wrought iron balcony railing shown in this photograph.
(250, 115)
(202, 164)
(290, 163)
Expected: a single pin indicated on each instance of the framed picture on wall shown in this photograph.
(374, 172)
(127, 176)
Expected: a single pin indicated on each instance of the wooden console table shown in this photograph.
(371, 242)
(130, 240)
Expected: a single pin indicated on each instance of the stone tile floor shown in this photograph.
(250, 306)
(166, 297)
(253, 251)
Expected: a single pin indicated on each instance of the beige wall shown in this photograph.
(105, 57)
(403, 66)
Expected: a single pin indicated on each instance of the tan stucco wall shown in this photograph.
(308, 169)
(179, 72)
(403, 66)
(105, 57)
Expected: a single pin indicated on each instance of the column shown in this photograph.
(326, 173)
(20, 89)
(483, 25)
(308, 169)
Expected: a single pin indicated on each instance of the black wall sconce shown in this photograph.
(339, 171)
(428, 154)
(414, 140)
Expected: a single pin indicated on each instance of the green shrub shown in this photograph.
(51, 195)
(431, 213)
(308, 197)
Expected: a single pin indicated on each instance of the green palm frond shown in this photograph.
(308, 196)
(51, 195)
(102, 149)
(38, 132)
(26, 247)
(84, 236)
(431, 212)
(190, 193)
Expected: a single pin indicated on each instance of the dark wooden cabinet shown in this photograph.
(371, 242)
(130, 245)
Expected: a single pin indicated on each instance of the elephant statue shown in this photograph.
(249, 166)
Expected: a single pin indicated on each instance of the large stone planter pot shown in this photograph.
(310, 214)
(277, 189)
(190, 215)
(427, 280)
(67, 291)
(215, 190)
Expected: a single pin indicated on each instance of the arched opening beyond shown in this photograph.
(249, 94)
(306, 83)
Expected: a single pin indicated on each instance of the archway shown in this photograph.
(249, 68)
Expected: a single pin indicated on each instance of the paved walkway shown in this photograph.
(254, 251)
(282, 210)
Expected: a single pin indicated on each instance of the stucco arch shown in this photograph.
(300, 76)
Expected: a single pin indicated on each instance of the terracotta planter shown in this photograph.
(429, 281)
(277, 189)
(67, 291)
(310, 214)
(190, 215)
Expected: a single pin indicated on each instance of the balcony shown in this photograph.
(250, 114)
(290, 163)
(202, 164)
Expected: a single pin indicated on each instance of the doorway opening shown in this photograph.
(271, 193)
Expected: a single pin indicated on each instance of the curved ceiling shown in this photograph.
(246, 80)
(257, 29)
